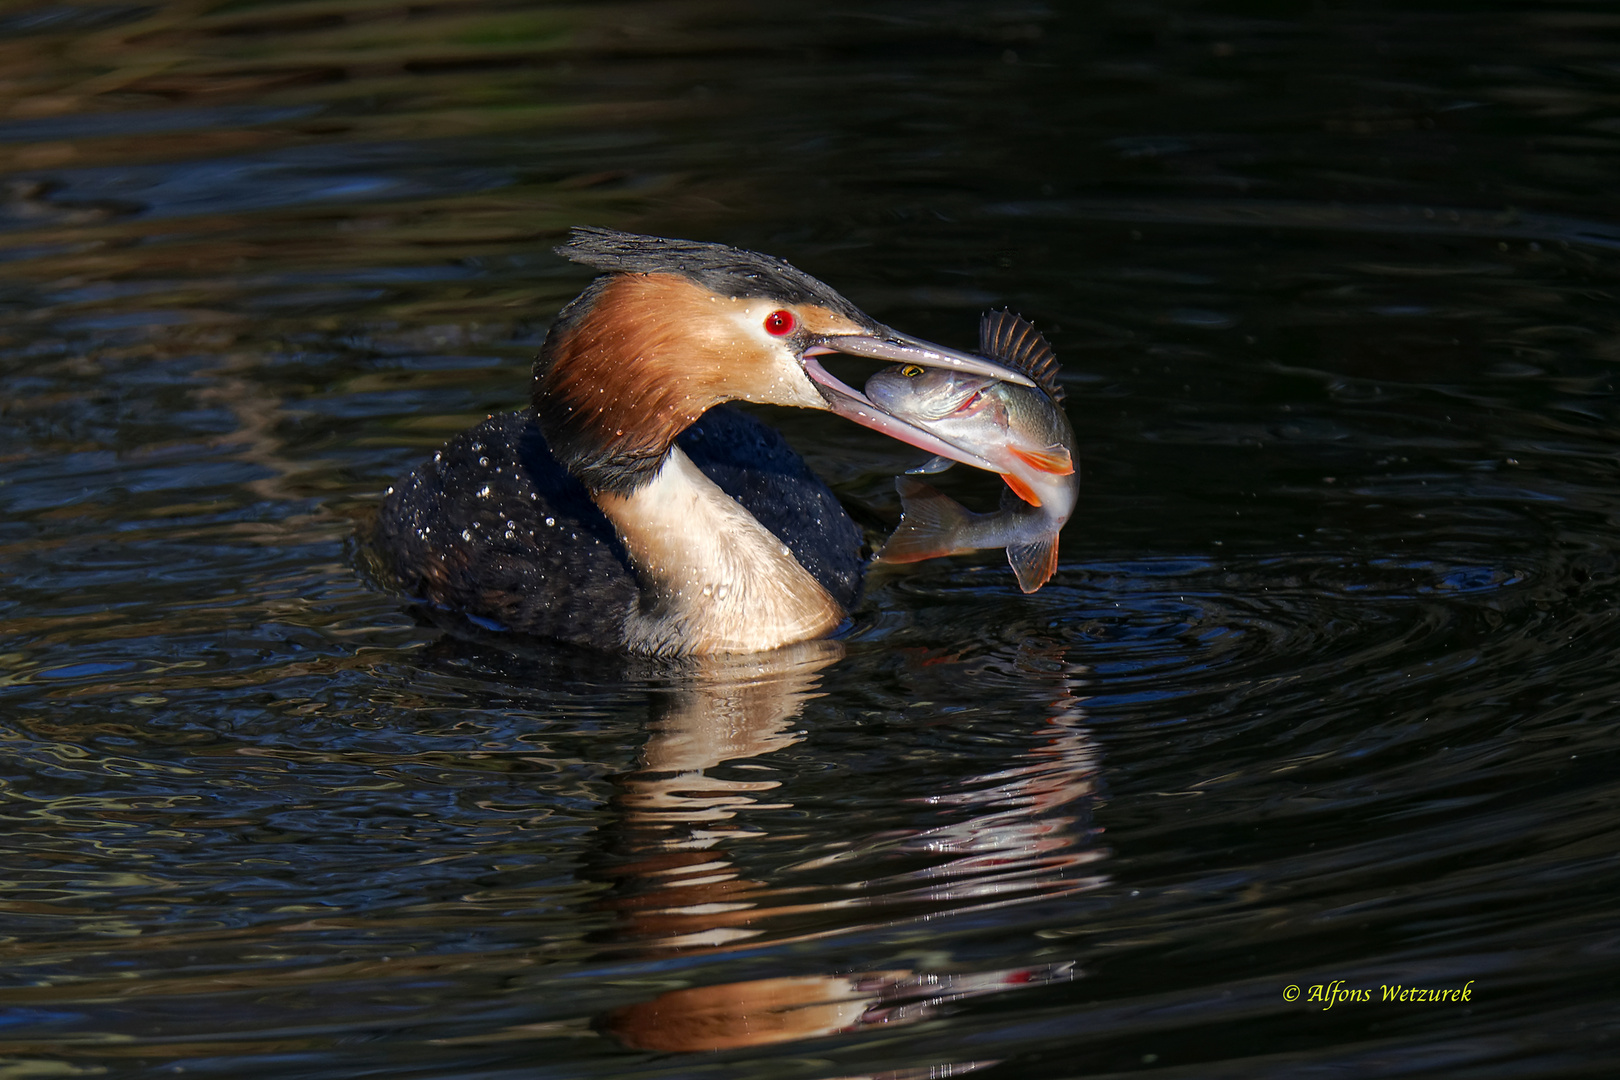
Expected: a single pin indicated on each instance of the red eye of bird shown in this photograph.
(780, 322)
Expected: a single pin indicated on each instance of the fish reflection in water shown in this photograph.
(676, 888)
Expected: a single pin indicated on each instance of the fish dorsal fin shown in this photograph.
(1013, 341)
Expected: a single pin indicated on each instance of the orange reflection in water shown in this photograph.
(758, 1012)
(678, 888)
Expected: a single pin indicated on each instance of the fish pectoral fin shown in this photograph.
(936, 464)
(1034, 563)
(1053, 459)
(929, 524)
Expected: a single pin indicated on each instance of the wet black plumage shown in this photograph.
(468, 530)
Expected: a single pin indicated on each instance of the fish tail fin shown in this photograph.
(1034, 563)
(929, 524)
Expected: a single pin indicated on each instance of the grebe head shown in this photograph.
(675, 327)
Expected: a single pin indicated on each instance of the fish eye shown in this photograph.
(911, 371)
(779, 322)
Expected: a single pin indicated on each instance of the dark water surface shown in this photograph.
(1325, 687)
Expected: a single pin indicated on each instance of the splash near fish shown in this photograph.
(1022, 431)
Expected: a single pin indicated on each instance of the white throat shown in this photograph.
(715, 580)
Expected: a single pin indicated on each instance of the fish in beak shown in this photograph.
(895, 347)
(767, 313)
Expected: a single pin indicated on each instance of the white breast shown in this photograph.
(714, 579)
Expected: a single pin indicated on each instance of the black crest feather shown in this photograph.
(1013, 341)
(727, 271)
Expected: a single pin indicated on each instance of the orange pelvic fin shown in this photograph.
(1053, 459)
(1023, 490)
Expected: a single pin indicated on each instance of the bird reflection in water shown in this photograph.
(1014, 836)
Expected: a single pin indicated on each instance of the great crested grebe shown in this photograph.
(623, 509)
